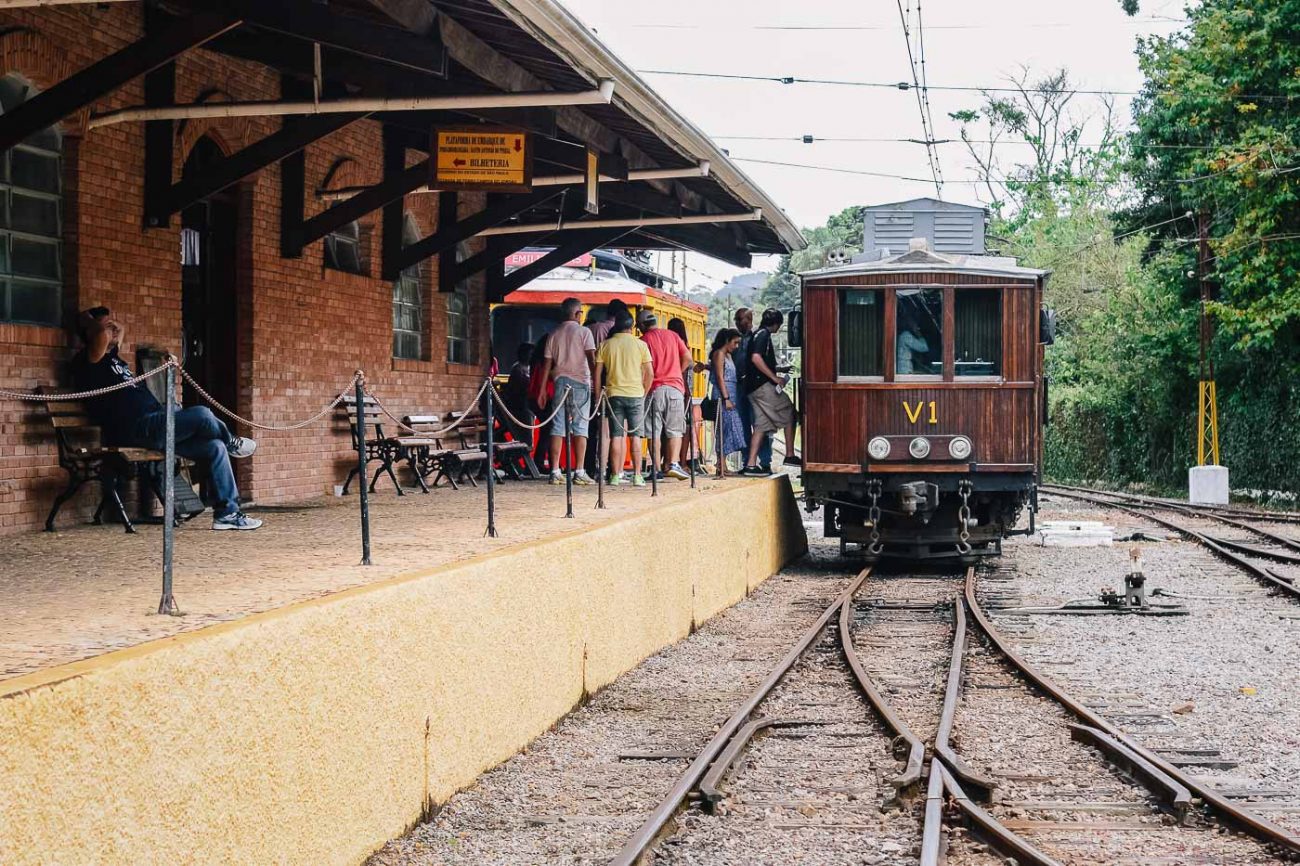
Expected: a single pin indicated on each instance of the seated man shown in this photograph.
(132, 417)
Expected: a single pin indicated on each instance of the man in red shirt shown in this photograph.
(666, 404)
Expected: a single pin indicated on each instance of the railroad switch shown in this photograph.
(1135, 595)
(1132, 601)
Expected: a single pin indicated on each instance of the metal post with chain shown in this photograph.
(963, 518)
(568, 446)
(602, 449)
(875, 548)
(360, 388)
(488, 435)
(167, 604)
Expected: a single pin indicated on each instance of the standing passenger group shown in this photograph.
(646, 386)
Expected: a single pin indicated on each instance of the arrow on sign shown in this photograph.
(519, 144)
(458, 162)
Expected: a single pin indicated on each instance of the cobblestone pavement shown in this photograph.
(87, 590)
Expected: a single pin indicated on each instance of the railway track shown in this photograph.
(806, 771)
(1272, 557)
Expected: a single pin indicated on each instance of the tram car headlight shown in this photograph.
(878, 448)
(919, 448)
(959, 448)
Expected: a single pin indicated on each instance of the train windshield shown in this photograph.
(978, 337)
(919, 335)
(862, 332)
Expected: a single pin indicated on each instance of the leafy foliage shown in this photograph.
(842, 231)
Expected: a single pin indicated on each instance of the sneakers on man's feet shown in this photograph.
(582, 479)
(638, 480)
(242, 446)
(755, 472)
(676, 471)
(792, 460)
(236, 520)
(615, 480)
(557, 477)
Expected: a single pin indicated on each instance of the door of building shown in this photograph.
(209, 297)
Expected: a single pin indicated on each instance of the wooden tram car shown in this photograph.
(922, 392)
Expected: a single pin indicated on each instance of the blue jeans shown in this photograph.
(747, 422)
(201, 437)
(581, 406)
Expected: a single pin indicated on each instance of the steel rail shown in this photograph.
(655, 824)
(981, 783)
(711, 785)
(1252, 550)
(1264, 574)
(1230, 813)
(903, 733)
(991, 828)
(1228, 511)
(1175, 794)
(932, 830)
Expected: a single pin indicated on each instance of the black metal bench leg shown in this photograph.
(375, 479)
(388, 467)
(352, 473)
(414, 466)
(74, 484)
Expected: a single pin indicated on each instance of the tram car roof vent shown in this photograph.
(943, 227)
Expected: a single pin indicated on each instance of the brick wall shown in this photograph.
(303, 328)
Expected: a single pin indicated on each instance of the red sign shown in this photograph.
(518, 260)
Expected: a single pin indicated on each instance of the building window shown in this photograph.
(408, 303)
(862, 332)
(918, 340)
(343, 249)
(458, 316)
(31, 219)
(978, 332)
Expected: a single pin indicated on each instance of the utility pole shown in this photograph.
(1208, 480)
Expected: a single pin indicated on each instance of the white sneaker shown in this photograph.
(582, 478)
(236, 520)
(557, 477)
(242, 447)
(676, 471)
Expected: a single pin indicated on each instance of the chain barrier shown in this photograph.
(430, 433)
(41, 396)
(357, 376)
(559, 405)
(875, 548)
(963, 518)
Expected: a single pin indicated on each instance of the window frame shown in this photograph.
(461, 292)
(338, 237)
(8, 188)
(890, 313)
(412, 276)
(839, 335)
(945, 337)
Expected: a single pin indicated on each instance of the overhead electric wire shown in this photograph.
(813, 139)
(850, 28)
(903, 85)
(931, 155)
(978, 182)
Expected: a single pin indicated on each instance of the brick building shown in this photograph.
(280, 252)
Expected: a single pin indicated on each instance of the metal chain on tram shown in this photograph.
(963, 518)
(875, 548)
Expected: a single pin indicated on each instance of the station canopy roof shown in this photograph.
(656, 166)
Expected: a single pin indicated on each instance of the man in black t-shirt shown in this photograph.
(131, 416)
(765, 388)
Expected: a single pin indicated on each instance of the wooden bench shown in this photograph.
(383, 449)
(514, 456)
(441, 461)
(85, 458)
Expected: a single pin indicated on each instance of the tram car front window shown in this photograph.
(919, 335)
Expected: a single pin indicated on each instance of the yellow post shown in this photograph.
(1207, 424)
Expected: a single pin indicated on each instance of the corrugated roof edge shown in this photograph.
(565, 34)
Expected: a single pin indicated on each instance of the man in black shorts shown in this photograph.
(132, 417)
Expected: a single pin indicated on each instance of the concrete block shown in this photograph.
(1075, 533)
(1208, 485)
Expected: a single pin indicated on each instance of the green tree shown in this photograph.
(843, 231)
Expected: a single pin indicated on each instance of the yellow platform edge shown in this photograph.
(315, 732)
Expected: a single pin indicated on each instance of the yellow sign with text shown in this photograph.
(482, 159)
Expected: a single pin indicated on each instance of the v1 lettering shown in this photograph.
(913, 417)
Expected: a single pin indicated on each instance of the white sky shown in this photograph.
(967, 43)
